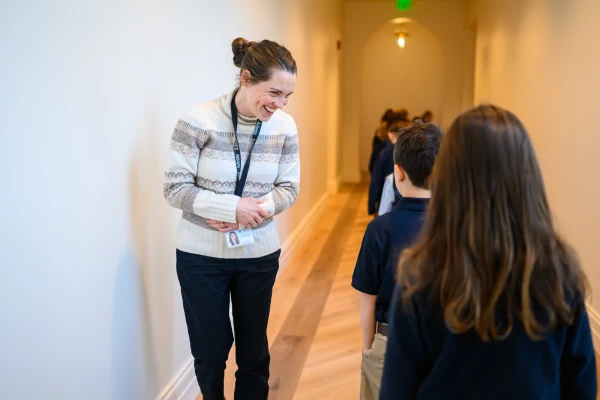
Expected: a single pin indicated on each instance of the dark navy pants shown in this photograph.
(206, 286)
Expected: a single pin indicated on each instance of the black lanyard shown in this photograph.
(240, 180)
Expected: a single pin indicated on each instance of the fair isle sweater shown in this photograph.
(200, 176)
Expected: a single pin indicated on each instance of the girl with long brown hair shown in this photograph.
(491, 300)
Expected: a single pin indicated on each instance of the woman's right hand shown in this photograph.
(249, 213)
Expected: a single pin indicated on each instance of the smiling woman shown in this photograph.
(264, 98)
(208, 177)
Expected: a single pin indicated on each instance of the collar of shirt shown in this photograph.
(411, 203)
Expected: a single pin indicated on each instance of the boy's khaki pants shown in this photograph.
(371, 369)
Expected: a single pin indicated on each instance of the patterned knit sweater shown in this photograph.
(201, 174)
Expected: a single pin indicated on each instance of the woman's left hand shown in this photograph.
(223, 226)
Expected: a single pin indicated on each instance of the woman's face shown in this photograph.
(233, 237)
(265, 98)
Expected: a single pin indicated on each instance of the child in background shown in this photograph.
(380, 139)
(384, 164)
(390, 194)
(374, 275)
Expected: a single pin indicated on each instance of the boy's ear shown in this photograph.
(399, 173)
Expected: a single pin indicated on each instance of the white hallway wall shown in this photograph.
(90, 94)
(539, 59)
(446, 19)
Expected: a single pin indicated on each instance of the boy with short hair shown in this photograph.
(386, 236)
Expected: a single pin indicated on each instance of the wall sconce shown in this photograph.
(401, 34)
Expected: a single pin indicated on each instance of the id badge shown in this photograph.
(239, 238)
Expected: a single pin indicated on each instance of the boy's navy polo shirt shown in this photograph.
(384, 240)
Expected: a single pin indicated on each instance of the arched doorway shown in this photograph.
(391, 77)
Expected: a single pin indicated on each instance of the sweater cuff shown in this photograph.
(222, 209)
(269, 204)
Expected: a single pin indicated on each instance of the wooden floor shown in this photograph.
(314, 328)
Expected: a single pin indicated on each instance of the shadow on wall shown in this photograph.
(145, 284)
(134, 367)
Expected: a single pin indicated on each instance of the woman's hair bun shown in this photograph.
(240, 47)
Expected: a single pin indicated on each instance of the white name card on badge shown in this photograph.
(239, 238)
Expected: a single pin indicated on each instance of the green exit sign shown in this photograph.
(404, 4)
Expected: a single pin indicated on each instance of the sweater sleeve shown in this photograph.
(287, 184)
(180, 188)
(578, 362)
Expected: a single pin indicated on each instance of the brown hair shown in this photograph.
(391, 124)
(396, 126)
(261, 58)
(388, 113)
(489, 253)
(416, 149)
(427, 116)
(403, 112)
(383, 124)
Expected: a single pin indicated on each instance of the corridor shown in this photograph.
(94, 95)
(314, 329)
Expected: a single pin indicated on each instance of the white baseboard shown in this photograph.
(594, 317)
(289, 247)
(333, 185)
(183, 386)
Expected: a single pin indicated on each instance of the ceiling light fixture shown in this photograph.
(402, 34)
